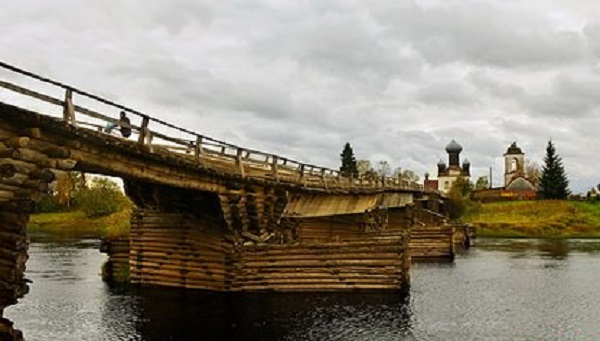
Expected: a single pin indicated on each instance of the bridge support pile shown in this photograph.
(372, 264)
(432, 242)
(117, 267)
(27, 166)
(13, 255)
(177, 250)
(174, 249)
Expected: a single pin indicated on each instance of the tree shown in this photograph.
(384, 168)
(67, 187)
(458, 196)
(482, 183)
(366, 170)
(533, 172)
(553, 183)
(102, 198)
(407, 175)
(349, 167)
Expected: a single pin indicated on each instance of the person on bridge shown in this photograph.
(125, 125)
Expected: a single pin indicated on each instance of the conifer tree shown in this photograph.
(554, 183)
(348, 167)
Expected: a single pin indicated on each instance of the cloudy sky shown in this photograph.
(397, 79)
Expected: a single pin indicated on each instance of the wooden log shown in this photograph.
(16, 180)
(35, 133)
(7, 170)
(6, 196)
(66, 164)
(45, 175)
(17, 142)
(57, 152)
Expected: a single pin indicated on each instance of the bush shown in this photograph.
(101, 199)
(48, 204)
(458, 198)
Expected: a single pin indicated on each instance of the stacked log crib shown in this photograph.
(432, 242)
(174, 249)
(367, 265)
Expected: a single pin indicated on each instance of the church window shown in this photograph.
(514, 165)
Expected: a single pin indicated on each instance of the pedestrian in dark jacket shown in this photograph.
(125, 125)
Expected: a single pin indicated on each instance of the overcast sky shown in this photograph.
(396, 79)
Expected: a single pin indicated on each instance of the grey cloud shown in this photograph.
(498, 88)
(446, 93)
(398, 79)
(493, 33)
(571, 94)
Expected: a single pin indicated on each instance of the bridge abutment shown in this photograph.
(248, 244)
(14, 244)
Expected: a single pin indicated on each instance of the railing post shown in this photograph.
(199, 152)
(274, 168)
(144, 130)
(323, 181)
(239, 162)
(69, 108)
(302, 174)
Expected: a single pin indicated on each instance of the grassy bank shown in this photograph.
(546, 219)
(114, 225)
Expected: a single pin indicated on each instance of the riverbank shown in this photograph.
(536, 219)
(114, 225)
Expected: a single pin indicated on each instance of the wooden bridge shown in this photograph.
(209, 214)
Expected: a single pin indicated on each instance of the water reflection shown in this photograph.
(271, 316)
(499, 290)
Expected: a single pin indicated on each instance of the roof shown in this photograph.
(520, 183)
(453, 147)
(513, 149)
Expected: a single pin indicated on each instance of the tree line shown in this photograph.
(96, 197)
(351, 167)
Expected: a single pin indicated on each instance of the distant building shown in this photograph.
(516, 184)
(447, 174)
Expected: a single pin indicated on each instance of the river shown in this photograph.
(499, 290)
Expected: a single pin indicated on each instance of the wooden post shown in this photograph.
(144, 130)
(274, 169)
(239, 163)
(302, 174)
(69, 108)
(149, 141)
(199, 153)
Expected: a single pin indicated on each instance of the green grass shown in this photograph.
(114, 225)
(546, 218)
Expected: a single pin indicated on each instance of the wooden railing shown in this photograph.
(203, 150)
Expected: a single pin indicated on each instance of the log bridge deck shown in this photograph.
(209, 214)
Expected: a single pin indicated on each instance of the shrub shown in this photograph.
(101, 199)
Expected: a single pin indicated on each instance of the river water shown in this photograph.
(498, 290)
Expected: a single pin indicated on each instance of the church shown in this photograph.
(516, 184)
(448, 173)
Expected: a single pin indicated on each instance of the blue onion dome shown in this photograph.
(453, 147)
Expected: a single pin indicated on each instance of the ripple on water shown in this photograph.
(500, 290)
